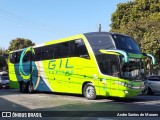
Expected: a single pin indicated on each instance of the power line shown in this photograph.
(24, 21)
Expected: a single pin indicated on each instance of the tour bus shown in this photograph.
(93, 64)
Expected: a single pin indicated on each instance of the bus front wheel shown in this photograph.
(89, 91)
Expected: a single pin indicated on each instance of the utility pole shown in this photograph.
(99, 28)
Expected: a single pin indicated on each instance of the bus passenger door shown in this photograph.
(109, 75)
(114, 81)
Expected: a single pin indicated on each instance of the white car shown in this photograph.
(4, 79)
(153, 84)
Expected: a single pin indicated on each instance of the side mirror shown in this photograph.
(151, 56)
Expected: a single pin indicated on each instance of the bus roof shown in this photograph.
(99, 33)
(85, 34)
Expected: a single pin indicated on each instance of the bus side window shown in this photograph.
(27, 57)
(37, 55)
(82, 49)
(78, 49)
(61, 50)
(47, 52)
(72, 49)
(12, 57)
(17, 57)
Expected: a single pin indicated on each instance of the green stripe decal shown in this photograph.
(153, 59)
(118, 52)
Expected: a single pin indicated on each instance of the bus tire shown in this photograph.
(30, 88)
(89, 91)
(23, 87)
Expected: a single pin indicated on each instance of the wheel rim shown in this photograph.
(30, 88)
(90, 92)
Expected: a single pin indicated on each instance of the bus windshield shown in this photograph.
(109, 64)
(126, 43)
(133, 70)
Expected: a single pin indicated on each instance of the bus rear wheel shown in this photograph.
(89, 91)
(23, 87)
(30, 87)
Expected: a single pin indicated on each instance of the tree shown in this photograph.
(141, 20)
(3, 62)
(3, 59)
(2, 51)
(20, 43)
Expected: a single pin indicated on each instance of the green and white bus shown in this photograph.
(92, 64)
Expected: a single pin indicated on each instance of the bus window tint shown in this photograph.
(73, 49)
(104, 65)
(37, 55)
(108, 64)
(12, 57)
(126, 43)
(17, 57)
(27, 57)
(114, 68)
(81, 50)
(61, 50)
(47, 52)
(100, 41)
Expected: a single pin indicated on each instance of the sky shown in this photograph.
(45, 20)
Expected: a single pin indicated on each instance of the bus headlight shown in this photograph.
(122, 84)
(135, 87)
(128, 85)
(126, 91)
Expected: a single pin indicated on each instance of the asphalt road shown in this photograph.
(67, 104)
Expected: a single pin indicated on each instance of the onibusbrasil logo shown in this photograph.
(23, 74)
